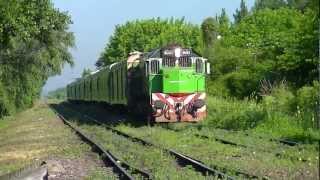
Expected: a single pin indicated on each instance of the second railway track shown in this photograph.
(123, 169)
(182, 159)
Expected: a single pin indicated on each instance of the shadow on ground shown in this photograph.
(303, 139)
(106, 114)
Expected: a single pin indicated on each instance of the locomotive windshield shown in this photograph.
(176, 55)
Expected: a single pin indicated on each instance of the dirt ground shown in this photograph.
(39, 135)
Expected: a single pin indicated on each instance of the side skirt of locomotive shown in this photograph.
(178, 107)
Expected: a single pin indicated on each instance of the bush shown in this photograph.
(217, 88)
(60, 93)
(242, 83)
(279, 124)
(234, 114)
(281, 99)
(308, 104)
(4, 103)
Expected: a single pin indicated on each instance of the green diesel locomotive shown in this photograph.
(166, 85)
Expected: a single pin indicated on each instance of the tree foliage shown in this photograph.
(224, 23)
(241, 13)
(145, 35)
(272, 44)
(60, 93)
(210, 31)
(34, 43)
(270, 4)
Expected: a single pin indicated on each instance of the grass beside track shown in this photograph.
(255, 142)
(248, 160)
(36, 135)
(261, 159)
(151, 159)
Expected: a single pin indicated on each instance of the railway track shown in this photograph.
(123, 169)
(182, 159)
(281, 141)
(37, 170)
(223, 141)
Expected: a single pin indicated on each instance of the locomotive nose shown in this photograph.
(179, 81)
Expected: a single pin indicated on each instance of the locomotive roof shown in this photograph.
(156, 53)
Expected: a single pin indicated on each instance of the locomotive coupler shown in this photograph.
(178, 108)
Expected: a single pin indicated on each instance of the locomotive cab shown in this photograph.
(176, 79)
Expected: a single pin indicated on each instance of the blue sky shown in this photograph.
(94, 22)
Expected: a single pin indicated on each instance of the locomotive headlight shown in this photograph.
(177, 52)
(199, 103)
(158, 104)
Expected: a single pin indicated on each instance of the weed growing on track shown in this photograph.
(100, 174)
(281, 162)
(236, 158)
(150, 159)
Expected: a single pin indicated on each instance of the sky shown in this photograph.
(94, 22)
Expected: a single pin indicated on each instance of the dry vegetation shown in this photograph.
(38, 135)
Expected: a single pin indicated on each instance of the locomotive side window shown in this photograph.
(155, 66)
(147, 68)
(199, 65)
(168, 61)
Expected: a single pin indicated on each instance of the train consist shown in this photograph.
(166, 85)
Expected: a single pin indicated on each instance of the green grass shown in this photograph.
(261, 158)
(100, 174)
(255, 117)
(151, 159)
(213, 153)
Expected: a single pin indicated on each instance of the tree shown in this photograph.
(60, 93)
(34, 43)
(270, 4)
(209, 28)
(241, 13)
(303, 4)
(224, 23)
(145, 35)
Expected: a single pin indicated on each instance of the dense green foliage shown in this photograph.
(241, 13)
(34, 42)
(60, 93)
(268, 55)
(278, 44)
(280, 114)
(145, 35)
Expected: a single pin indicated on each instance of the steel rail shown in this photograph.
(281, 141)
(120, 167)
(227, 142)
(181, 158)
(37, 170)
